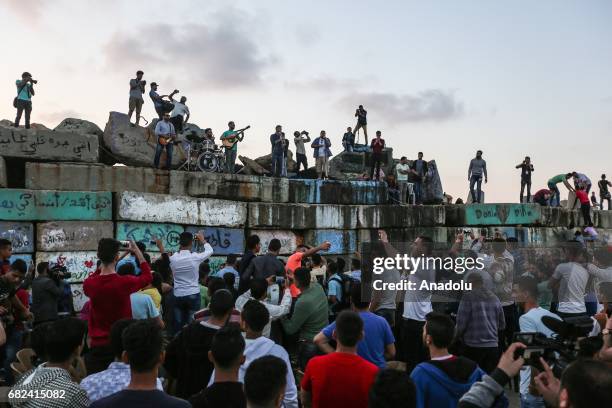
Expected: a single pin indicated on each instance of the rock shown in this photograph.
(3, 180)
(252, 166)
(85, 127)
(266, 161)
(132, 145)
(40, 143)
(8, 123)
(433, 193)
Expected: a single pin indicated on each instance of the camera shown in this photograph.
(33, 81)
(59, 272)
(558, 351)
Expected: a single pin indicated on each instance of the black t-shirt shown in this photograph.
(220, 395)
(362, 116)
(526, 171)
(138, 399)
(603, 187)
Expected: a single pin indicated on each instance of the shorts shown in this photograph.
(322, 164)
(136, 104)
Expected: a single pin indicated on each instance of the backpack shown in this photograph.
(15, 101)
(345, 282)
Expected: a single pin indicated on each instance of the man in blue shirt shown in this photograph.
(129, 257)
(378, 344)
(231, 263)
(164, 130)
(278, 142)
(23, 100)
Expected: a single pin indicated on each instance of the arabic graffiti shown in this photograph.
(146, 233)
(21, 235)
(46, 144)
(342, 242)
(78, 296)
(79, 264)
(72, 235)
(16, 204)
(288, 239)
(224, 241)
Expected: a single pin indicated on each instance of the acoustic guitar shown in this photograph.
(229, 142)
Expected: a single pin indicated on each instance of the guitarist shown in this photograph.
(230, 139)
(164, 130)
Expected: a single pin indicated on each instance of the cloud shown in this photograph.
(30, 10)
(430, 105)
(324, 83)
(307, 35)
(222, 55)
(607, 100)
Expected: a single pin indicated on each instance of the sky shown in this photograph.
(447, 78)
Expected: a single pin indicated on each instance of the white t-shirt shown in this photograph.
(417, 303)
(574, 279)
(180, 109)
(402, 167)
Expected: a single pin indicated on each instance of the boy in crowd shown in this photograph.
(265, 382)
(353, 376)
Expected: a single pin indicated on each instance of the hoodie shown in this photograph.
(441, 383)
(263, 346)
(69, 394)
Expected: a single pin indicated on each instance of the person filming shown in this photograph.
(47, 289)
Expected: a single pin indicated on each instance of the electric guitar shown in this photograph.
(229, 142)
(164, 140)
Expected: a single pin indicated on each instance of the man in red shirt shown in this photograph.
(585, 205)
(377, 145)
(295, 261)
(109, 294)
(342, 378)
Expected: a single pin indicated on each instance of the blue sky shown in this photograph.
(443, 77)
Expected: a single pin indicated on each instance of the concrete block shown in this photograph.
(21, 234)
(289, 240)
(147, 232)
(337, 192)
(301, 216)
(229, 186)
(390, 216)
(72, 235)
(502, 214)
(342, 242)
(78, 296)
(27, 258)
(82, 177)
(133, 146)
(44, 144)
(46, 205)
(225, 241)
(132, 206)
(603, 218)
(3, 179)
(80, 263)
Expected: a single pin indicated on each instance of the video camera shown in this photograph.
(59, 272)
(559, 351)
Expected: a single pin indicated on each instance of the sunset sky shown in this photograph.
(512, 78)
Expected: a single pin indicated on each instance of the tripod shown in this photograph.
(187, 165)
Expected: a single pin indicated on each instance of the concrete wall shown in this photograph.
(3, 179)
(79, 177)
(21, 234)
(71, 235)
(337, 192)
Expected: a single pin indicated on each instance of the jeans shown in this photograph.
(301, 160)
(523, 184)
(11, 347)
(376, 161)
(601, 202)
(158, 151)
(476, 179)
(184, 308)
(418, 192)
(485, 357)
(586, 213)
(306, 351)
(23, 106)
(277, 164)
(531, 401)
(388, 314)
(230, 160)
(555, 198)
(412, 343)
(348, 147)
(403, 190)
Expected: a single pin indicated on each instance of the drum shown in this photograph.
(208, 161)
(208, 145)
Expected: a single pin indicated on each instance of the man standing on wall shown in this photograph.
(378, 144)
(526, 168)
(322, 153)
(231, 152)
(604, 193)
(362, 122)
(419, 169)
(300, 151)
(478, 168)
(137, 88)
(348, 140)
(277, 140)
(23, 100)
(402, 169)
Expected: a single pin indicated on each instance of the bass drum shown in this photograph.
(208, 162)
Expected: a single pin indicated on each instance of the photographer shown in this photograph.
(362, 122)
(300, 152)
(137, 88)
(23, 100)
(47, 288)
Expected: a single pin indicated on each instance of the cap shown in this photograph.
(153, 83)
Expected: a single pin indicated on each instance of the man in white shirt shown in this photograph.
(185, 268)
(402, 169)
(259, 292)
(570, 279)
(165, 133)
(180, 114)
(417, 304)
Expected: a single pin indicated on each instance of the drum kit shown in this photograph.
(203, 155)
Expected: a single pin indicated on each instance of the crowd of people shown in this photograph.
(263, 332)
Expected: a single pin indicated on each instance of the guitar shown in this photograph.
(164, 140)
(229, 142)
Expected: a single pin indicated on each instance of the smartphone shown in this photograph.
(124, 244)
